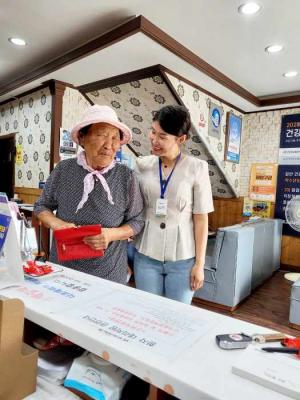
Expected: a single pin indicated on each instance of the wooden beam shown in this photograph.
(57, 90)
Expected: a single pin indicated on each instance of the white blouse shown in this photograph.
(171, 237)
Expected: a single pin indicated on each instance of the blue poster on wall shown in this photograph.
(214, 121)
(288, 186)
(233, 138)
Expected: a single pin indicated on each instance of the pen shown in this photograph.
(282, 350)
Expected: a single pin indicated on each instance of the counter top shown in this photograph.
(167, 343)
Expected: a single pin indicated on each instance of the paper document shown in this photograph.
(152, 325)
(278, 372)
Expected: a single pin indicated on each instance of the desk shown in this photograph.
(179, 356)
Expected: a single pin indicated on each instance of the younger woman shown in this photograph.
(177, 192)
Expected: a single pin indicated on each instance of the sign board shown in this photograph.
(263, 182)
(288, 185)
(214, 121)
(289, 152)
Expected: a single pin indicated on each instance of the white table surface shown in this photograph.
(194, 368)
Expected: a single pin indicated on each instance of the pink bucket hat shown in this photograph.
(95, 114)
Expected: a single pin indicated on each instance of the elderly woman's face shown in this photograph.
(101, 144)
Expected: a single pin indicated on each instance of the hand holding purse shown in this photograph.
(70, 245)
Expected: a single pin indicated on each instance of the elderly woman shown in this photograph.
(94, 189)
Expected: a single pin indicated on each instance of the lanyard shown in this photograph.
(164, 184)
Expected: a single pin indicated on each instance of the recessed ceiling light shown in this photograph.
(274, 48)
(290, 74)
(17, 41)
(249, 8)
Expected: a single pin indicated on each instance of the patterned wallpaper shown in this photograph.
(260, 141)
(74, 104)
(198, 104)
(135, 103)
(9, 118)
(30, 117)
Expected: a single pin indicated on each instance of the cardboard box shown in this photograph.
(18, 361)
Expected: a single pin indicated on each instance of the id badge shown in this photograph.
(161, 207)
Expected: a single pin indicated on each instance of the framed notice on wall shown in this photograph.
(19, 154)
(214, 121)
(263, 182)
(233, 138)
(67, 148)
(257, 208)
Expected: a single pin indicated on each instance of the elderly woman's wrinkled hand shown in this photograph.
(99, 242)
(60, 224)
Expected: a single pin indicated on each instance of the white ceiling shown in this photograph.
(213, 29)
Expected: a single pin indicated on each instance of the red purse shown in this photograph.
(70, 245)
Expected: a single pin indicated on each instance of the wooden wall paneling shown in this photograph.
(227, 212)
(290, 252)
(28, 195)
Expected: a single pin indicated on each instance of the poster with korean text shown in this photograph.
(289, 152)
(263, 182)
(288, 186)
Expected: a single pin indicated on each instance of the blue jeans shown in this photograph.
(169, 279)
(131, 250)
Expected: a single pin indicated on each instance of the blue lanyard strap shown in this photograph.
(164, 184)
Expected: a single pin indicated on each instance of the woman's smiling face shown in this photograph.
(162, 143)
